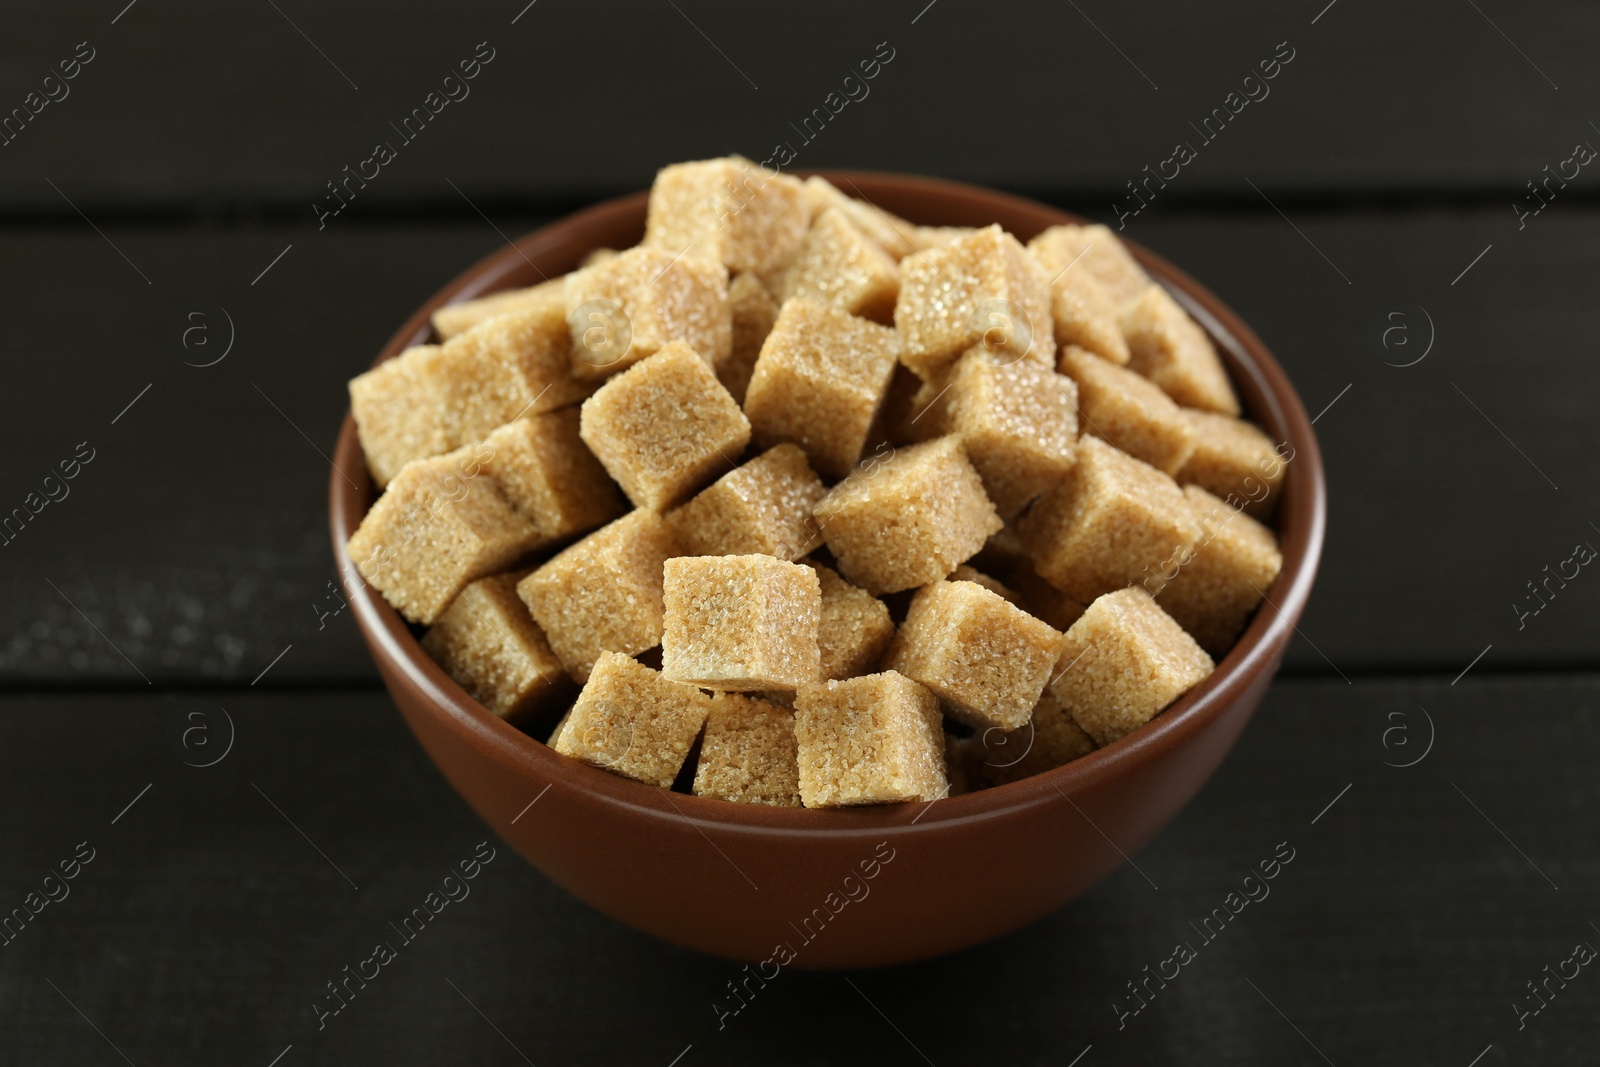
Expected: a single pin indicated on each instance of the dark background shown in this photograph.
(1365, 212)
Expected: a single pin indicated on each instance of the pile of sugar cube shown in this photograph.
(799, 503)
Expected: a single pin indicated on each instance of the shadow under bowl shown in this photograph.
(856, 887)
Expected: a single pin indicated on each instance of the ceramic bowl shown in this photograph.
(858, 887)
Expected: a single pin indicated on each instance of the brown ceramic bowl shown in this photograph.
(858, 887)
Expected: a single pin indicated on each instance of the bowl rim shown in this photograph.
(1301, 520)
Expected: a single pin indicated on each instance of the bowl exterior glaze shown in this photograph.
(851, 888)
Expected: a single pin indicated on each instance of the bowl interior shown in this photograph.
(1265, 393)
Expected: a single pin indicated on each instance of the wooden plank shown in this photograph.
(194, 544)
(270, 102)
(194, 541)
(216, 908)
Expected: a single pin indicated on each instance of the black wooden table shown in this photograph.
(1402, 211)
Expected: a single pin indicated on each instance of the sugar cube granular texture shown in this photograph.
(870, 740)
(549, 475)
(1129, 411)
(664, 427)
(1235, 460)
(1168, 347)
(1049, 739)
(488, 643)
(819, 381)
(625, 309)
(981, 287)
(1098, 251)
(854, 628)
(1083, 311)
(440, 525)
(1123, 662)
(891, 233)
(728, 210)
(748, 754)
(986, 658)
(400, 413)
(633, 722)
(504, 368)
(603, 594)
(926, 237)
(741, 623)
(839, 266)
(908, 520)
(1220, 587)
(761, 507)
(1018, 420)
(753, 311)
(560, 728)
(454, 319)
(1115, 521)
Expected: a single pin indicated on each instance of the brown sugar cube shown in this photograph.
(965, 573)
(502, 369)
(1168, 347)
(854, 628)
(748, 754)
(908, 520)
(730, 210)
(560, 728)
(870, 740)
(1085, 316)
(839, 266)
(1099, 252)
(664, 427)
(1113, 522)
(399, 415)
(1049, 739)
(1235, 460)
(631, 721)
(549, 475)
(1018, 421)
(982, 287)
(926, 237)
(890, 232)
(987, 659)
(440, 526)
(627, 308)
(1235, 562)
(1123, 662)
(597, 255)
(753, 311)
(454, 319)
(761, 507)
(1129, 411)
(603, 594)
(741, 623)
(488, 643)
(819, 381)
(1083, 311)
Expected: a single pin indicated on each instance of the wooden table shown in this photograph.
(182, 326)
